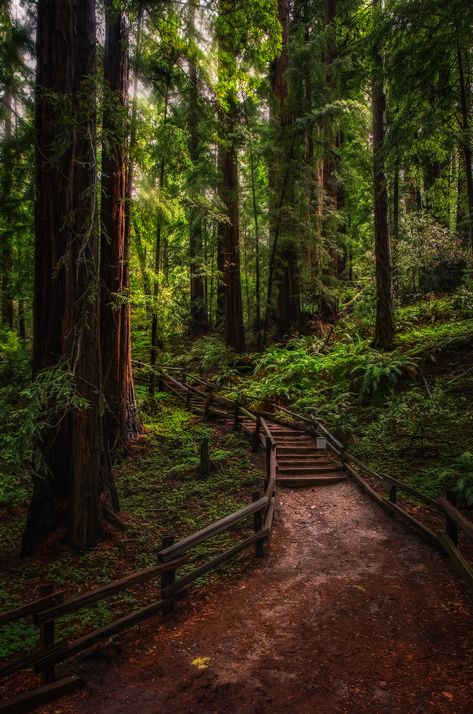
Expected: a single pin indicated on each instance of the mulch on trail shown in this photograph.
(350, 612)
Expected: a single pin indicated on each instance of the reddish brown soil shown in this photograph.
(349, 613)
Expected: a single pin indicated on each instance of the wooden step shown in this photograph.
(296, 449)
(311, 481)
(307, 463)
(309, 470)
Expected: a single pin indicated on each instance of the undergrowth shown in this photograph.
(160, 493)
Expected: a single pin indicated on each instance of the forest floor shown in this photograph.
(350, 612)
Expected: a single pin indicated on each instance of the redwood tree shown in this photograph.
(121, 420)
(286, 260)
(228, 163)
(384, 327)
(198, 316)
(75, 478)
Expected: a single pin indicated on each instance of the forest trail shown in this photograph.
(350, 612)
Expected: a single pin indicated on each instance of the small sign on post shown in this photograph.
(321, 442)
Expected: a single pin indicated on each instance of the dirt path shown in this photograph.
(349, 613)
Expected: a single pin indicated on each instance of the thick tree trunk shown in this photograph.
(75, 475)
(121, 420)
(228, 259)
(384, 328)
(286, 268)
(198, 315)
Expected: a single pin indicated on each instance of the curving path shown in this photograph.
(349, 613)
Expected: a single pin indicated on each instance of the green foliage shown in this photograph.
(462, 471)
(209, 353)
(376, 374)
(29, 408)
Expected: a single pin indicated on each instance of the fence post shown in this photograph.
(205, 462)
(208, 400)
(452, 528)
(268, 460)
(257, 433)
(393, 493)
(46, 637)
(168, 577)
(258, 525)
(236, 422)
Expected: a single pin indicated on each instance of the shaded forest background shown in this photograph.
(279, 194)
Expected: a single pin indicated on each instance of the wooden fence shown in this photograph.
(455, 521)
(51, 606)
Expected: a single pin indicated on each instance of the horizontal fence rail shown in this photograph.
(51, 606)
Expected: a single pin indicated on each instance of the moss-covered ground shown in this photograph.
(160, 493)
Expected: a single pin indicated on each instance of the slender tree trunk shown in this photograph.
(121, 420)
(6, 233)
(384, 328)
(198, 317)
(234, 332)
(155, 340)
(75, 477)
(466, 141)
(259, 341)
(220, 304)
(395, 220)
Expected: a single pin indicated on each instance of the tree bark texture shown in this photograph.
(121, 419)
(286, 268)
(6, 235)
(466, 141)
(234, 331)
(198, 317)
(75, 478)
(228, 164)
(384, 327)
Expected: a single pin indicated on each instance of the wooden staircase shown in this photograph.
(299, 463)
(297, 459)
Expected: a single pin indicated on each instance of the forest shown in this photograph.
(264, 207)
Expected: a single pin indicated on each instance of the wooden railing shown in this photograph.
(455, 521)
(49, 608)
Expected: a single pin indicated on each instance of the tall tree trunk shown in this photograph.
(75, 476)
(121, 420)
(234, 331)
(228, 164)
(286, 267)
(331, 189)
(7, 231)
(155, 340)
(384, 328)
(466, 141)
(220, 301)
(198, 316)
(259, 336)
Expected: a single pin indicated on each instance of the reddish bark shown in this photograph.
(286, 268)
(384, 328)
(198, 316)
(121, 420)
(66, 326)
